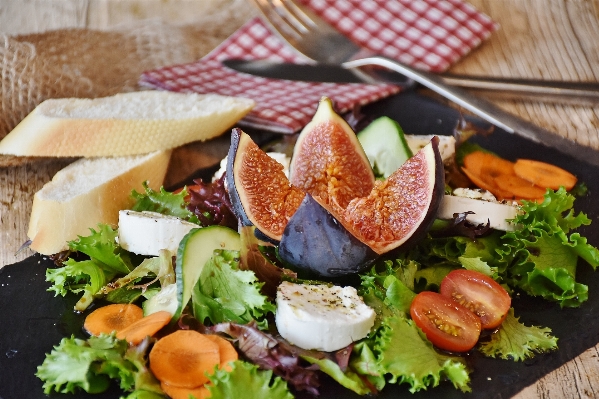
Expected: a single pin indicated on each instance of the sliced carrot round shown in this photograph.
(114, 317)
(520, 188)
(200, 392)
(477, 160)
(145, 327)
(227, 351)
(486, 182)
(183, 358)
(544, 174)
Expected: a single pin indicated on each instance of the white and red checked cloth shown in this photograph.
(427, 34)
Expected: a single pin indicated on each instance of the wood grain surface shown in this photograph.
(550, 39)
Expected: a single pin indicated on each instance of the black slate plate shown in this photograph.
(33, 321)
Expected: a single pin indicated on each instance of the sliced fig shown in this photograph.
(403, 206)
(260, 193)
(328, 161)
(316, 242)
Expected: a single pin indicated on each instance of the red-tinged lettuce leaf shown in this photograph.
(251, 258)
(245, 380)
(408, 358)
(515, 341)
(269, 353)
(209, 202)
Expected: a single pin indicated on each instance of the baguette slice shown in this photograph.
(124, 124)
(87, 192)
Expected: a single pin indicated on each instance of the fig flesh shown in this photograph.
(260, 193)
(328, 161)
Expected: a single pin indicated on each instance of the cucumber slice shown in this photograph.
(385, 146)
(195, 249)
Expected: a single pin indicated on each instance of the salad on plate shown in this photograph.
(372, 259)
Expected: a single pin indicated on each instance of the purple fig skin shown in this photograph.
(316, 243)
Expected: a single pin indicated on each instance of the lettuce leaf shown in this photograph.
(101, 245)
(226, 293)
(518, 342)
(244, 380)
(409, 358)
(270, 353)
(90, 365)
(545, 254)
(348, 378)
(164, 202)
(107, 260)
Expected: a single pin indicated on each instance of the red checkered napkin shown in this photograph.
(426, 34)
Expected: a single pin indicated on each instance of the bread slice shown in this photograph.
(87, 192)
(123, 124)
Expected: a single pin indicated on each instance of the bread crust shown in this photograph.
(44, 133)
(55, 221)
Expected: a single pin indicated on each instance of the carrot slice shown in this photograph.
(144, 327)
(114, 317)
(477, 160)
(544, 174)
(183, 358)
(520, 188)
(486, 182)
(200, 392)
(227, 351)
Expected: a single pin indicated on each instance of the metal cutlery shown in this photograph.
(314, 38)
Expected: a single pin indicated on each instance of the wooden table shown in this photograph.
(551, 39)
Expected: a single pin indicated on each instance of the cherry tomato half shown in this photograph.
(479, 293)
(447, 324)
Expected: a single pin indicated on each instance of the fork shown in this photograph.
(315, 39)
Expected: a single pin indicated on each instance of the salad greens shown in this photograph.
(539, 258)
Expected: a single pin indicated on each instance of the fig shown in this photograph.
(315, 241)
(260, 193)
(328, 161)
(400, 209)
(332, 218)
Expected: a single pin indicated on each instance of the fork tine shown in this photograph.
(280, 20)
(298, 13)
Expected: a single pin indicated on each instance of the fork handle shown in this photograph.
(483, 108)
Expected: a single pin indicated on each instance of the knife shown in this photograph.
(339, 74)
(575, 93)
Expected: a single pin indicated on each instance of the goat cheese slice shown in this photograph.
(146, 233)
(497, 214)
(321, 317)
(446, 144)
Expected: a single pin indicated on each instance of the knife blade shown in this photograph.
(575, 93)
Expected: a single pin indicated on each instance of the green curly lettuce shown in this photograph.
(518, 342)
(226, 293)
(409, 358)
(245, 380)
(545, 253)
(87, 277)
(90, 365)
(164, 202)
(398, 349)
